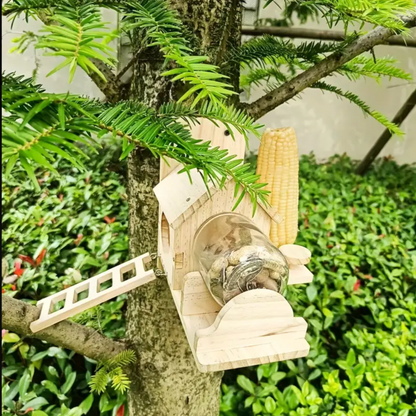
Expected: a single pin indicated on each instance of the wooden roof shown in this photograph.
(179, 198)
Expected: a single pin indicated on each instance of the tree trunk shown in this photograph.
(165, 380)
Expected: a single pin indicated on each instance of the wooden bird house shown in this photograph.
(252, 327)
(255, 327)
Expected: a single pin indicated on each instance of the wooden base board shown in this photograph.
(255, 327)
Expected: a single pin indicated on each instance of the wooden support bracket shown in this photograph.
(72, 305)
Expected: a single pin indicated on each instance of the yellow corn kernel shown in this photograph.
(278, 166)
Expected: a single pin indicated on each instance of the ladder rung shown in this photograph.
(95, 296)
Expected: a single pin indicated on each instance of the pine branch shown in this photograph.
(164, 29)
(322, 69)
(271, 50)
(78, 35)
(165, 136)
(39, 126)
(353, 98)
(111, 370)
(17, 317)
(363, 66)
(102, 75)
(376, 12)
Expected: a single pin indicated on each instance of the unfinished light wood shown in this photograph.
(296, 255)
(72, 306)
(256, 327)
(196, 298)
(186, 206)
(253, 328)
(217, 135)
(299, 275)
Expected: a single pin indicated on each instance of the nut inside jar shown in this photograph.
(235, 256)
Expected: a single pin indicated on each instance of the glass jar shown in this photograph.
(235, 256)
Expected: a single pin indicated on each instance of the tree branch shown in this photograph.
(322, 69)
(112, 88)
(17, 316)
(315, 34)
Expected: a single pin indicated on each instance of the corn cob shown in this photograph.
(278, 166)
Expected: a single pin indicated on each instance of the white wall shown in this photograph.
(327, 125)
(324, 124)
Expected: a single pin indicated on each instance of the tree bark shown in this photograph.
(378, 146)
(316, 34)
(165, 380)
(16, 316)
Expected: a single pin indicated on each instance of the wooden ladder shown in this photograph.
(72, 305)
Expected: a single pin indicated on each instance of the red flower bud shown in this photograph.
(78, 239)
(109, 220)
(120, 411)
(41, 256)
(357, 285)
(13, 287)
(27, 259)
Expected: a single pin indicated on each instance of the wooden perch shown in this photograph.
(316, 34)
(289, 89)
(17, 316)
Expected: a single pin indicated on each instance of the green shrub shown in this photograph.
(79, 221)
(361, 307)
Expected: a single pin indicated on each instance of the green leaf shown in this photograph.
(10, 164)
(32, 113)
(270, 405)
(351, 358)
(257, 407)
(24, 383)
(249, 401)
(69, 382)
(85, 405)
(245, 384)
(30, 172)
(61, 114)
(311, 292)
(39, 356)
(35, 403)
(10, 337)
(315, 374)
(276, 377)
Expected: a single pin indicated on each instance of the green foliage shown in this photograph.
(361, 307)
(264, 50)
(111, 371)
(165, 136)
(376, 12)
(40, 125)
(48, 381)
(80, 220)
(360, 229)
(76, 32)
(270, 62)
(164, 29)
(393, 128)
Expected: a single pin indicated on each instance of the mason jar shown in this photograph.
(235, 256)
